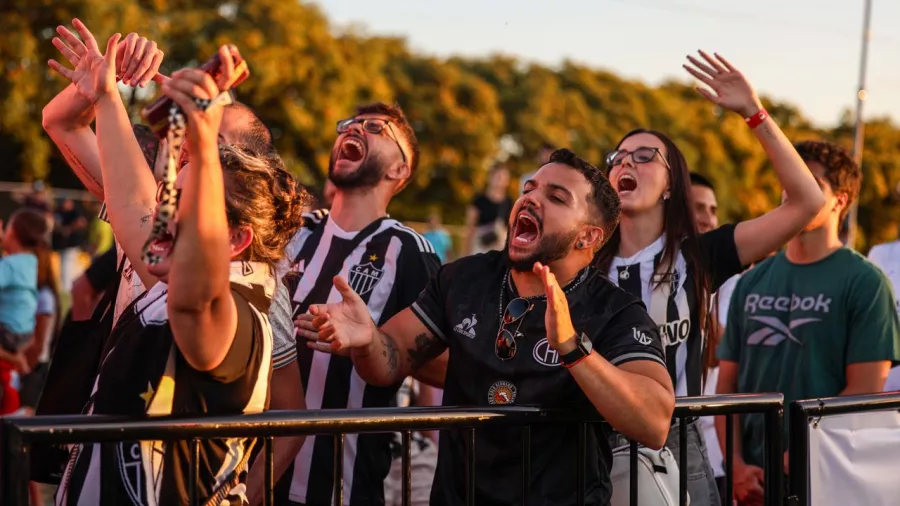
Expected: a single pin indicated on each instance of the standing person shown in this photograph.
(387, 264)
(438, 236)
(540, 159)
(488, 213)
(887, 258)
(657, 254)
(26, 232)
(533, 324)
(45, 326)
(816, 320)
(198, 341)
(703, 196)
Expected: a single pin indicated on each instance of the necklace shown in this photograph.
(507, 281)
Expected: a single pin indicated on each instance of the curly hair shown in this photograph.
(603, 196)
(261, 194)
(841, 172)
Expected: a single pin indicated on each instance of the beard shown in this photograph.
(369, 173)
(552, 248)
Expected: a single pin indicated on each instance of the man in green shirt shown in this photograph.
(815, 320)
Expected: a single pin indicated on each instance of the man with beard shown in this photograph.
(510, 320)
(386, 264)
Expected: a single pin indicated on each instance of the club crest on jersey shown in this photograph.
(502, 392)
(544, 354)
(467, 327)
(132, 470)
(364, 277)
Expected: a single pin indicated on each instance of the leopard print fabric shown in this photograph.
(168, 203)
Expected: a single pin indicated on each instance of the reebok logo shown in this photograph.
(775, 331)
(755, 302)
(467, 327)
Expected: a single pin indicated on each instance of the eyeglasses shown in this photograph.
(373, 126)
(639, 155)
(505, 345)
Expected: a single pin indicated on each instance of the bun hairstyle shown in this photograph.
(261, 194)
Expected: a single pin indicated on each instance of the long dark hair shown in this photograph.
(680, 231)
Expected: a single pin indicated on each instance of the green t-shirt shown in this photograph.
(794, 328)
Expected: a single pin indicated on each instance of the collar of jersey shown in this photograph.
(577, 280)
(337, 231)
(649, 251)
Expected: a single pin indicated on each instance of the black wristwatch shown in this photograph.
(582, 349)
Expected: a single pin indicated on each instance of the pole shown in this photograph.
(860, 128)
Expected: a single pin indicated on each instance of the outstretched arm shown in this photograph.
(758, 237)
(67, 118)
(382, 356)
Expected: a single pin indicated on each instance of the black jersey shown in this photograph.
(462, 306)
(145, 374)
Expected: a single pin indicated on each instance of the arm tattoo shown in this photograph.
(76, 164)
(427, 348)
(390, 351)
(145, 219)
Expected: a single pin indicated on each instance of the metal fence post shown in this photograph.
(799, 455)
(15, 464)
(774, 471)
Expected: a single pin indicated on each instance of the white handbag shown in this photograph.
(657, 477)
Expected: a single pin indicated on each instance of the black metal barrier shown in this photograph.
(802, 413)
(18, 433)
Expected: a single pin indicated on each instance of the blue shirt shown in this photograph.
(18, 292)
(441, 242)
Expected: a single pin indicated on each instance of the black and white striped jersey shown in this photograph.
(144, 373)
(388, 264)
(673, 304)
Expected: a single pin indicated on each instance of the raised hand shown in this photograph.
(730, 89)
(195, 91)
(557, 320)
(94, 74)
(138, 60)
(345, 324)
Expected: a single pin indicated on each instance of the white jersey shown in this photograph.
(887, 257)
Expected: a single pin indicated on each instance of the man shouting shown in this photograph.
(533, 324)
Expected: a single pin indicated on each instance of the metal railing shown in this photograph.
(18, 433)
(802, 413)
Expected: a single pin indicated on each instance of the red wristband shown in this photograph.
(757, 119)
(573, 364)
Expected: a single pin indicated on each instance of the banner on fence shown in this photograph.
(853, 459)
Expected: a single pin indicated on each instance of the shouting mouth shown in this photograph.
(162, 246)
(626, 184)
(352, 149)
(527, 229)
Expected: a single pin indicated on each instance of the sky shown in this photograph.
(805, 52)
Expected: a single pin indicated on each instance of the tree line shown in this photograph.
(468, 112)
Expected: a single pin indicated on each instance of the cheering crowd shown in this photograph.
(609, 291)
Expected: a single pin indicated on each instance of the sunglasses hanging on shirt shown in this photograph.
(505, 345)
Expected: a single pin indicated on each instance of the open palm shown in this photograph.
(730, 89)
(94, 74)
(344, 324)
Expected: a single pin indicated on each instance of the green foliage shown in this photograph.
(306, 76)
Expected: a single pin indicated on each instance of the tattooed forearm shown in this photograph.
(427, 348)
(390, 351)
(77, 166)
(145, 219)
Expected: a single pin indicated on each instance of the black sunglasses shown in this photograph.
(505, 345)
(639, 155)
(373, 126)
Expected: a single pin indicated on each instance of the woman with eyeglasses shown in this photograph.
(658, 255)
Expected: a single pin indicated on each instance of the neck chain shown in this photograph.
(507, 281)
